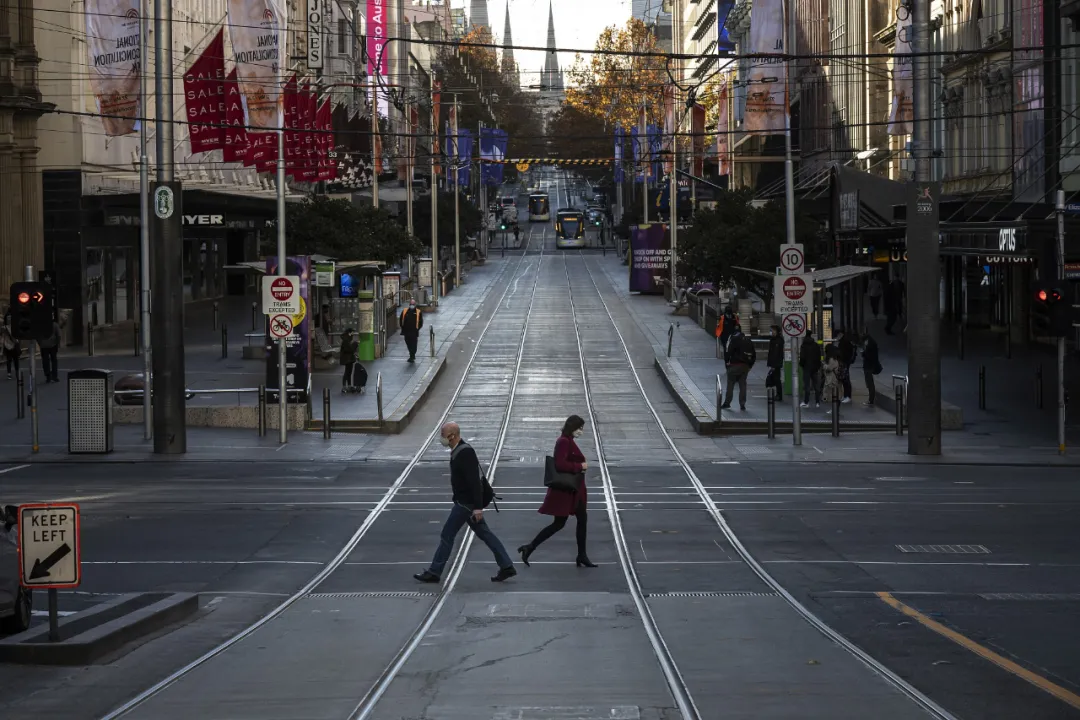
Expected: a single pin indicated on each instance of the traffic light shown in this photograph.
(1052, 313)
(502, 225)
(31, 311)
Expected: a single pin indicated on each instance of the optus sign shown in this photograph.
(376, 36)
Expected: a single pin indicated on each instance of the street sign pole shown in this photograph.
(1060, 341)
(33, 381)
(283, 408)
(49, 555)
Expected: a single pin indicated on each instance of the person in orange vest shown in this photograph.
(726, 327)
(411, 322)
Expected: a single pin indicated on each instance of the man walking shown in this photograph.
(49, 349)
(740, 358)
(411, 322)
(467, 482)
(775, 361)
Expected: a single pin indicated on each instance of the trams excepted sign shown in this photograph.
(281, 295)
(49, 546)
(794, 294)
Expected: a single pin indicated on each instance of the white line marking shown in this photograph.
(13, 469)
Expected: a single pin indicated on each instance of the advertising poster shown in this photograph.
(112, 44)
(297, 345)
(204, 97)
(376, 37)
(901, 113)
(766, 97)
(650, 258)
(257, 41)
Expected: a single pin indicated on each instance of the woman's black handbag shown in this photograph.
(567, 482)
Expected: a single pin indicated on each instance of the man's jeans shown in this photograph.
(460, 515)
(736, 375)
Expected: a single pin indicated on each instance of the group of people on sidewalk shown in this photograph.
(354, 377)
(826, 372)
(472, 494)
(12, 349)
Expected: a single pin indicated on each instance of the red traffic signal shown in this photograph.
(24, 298)
(1041, 296)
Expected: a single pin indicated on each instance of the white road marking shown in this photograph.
(13, 469)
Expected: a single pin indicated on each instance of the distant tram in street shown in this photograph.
(569, 229)
(539, 208)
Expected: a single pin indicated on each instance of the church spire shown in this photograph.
(552, 77)
(478, 14)
(509, 65)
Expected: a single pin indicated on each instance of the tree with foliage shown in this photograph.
(337, 228)
(573, 133)
(471, 220)
(614, 88)
(737, 234)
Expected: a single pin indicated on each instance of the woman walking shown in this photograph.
(561, 503)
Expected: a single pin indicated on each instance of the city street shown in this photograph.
(732, 580)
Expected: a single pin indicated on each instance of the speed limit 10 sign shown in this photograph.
(791, 259)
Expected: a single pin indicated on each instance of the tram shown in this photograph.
(539, 208)
(569, 229)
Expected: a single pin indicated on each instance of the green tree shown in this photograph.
(471, 220)
(735, 234)
(574, 133)
(337, 228)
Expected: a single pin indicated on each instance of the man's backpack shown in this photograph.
(489, 496)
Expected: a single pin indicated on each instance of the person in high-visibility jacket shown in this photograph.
(726, 326)
(411, 322)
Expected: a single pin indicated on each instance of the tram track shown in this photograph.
(524, 264)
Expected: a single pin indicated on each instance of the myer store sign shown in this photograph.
(196, 220)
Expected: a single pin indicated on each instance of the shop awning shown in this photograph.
(828, 276)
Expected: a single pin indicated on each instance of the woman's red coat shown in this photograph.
(568, 459)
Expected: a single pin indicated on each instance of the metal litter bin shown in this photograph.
(90, 411)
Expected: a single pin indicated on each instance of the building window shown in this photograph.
(343, 36)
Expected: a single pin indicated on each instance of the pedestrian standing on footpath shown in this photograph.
(740, 358)
(349, 346)
(810, 361)
(846, 356)
(49, 349)
(874, 291)
(12, 348)
(560, 501)
(775, 363)
(871, 364)
(831, 373)
(470, 489)
(726, 326)
(411, 322)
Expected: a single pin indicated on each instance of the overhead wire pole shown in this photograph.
(457, 208)
(434, 201)
(144, 226)
(924, 266)
(1060, 208)
(283, 395)
(673, 181)
(789, 197)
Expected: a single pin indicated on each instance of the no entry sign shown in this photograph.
(281, 295)
(793, 294)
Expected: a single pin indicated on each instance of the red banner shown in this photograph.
(293, 140)
(236, 140)
(326, 140)
(309, 107)
(697, 127)
(204, 97)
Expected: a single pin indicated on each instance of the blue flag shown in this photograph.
(492, 148)
(619, 177)
(465, 146)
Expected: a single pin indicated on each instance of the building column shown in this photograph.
(26, 152)
(11, 259)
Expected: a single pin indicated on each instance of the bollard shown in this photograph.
(900, 410)
(670, 336)
(254, 314)
(1038, 388)
(982, 387)
(719, 399)
(378, 395)
(224, 341)
(137, 343)
(20, 397)
(326, 413)
(772, 413)
(215, 314)
(431, 334)
(262, 411)
(90, 339)
(836, 414)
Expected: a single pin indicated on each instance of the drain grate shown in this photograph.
(945, 549)
(1030, 596)
(754, 449)
(356, 595)
(709, 594)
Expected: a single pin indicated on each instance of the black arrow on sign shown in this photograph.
(42, 567)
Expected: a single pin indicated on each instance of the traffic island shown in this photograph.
(90, 635)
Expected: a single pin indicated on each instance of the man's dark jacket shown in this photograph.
(465, 477)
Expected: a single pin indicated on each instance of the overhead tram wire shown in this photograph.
(336, 562)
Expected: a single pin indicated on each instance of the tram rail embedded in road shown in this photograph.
(380, 507)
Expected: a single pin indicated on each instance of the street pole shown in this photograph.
(483, 189)
(375, 159)
(283, 395)
(168, 375)
(1061, 340)
(29, 277)
(410, 142)
(924, 265)
(457, 209)
(645, 155)
(434, 204)
(144, 229)
(789, 193)
(673, 181)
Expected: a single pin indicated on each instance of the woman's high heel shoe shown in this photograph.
(525, 551)
(584, 561)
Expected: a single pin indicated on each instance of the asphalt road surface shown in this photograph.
(718, 583)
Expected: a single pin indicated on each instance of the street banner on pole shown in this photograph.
(492, 153)
(204, 97)
(650, 258)
(258, 47)
(620, 176)
(376, 37)
(235, 135)
(723, 143)
(766, 96)
(112, 46)
(902, 111)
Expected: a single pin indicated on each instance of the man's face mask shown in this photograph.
(445, 441)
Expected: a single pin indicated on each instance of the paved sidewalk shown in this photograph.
(692, 368)
(404, 384)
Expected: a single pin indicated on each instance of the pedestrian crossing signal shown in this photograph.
(31, 311)
(1051, 316)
